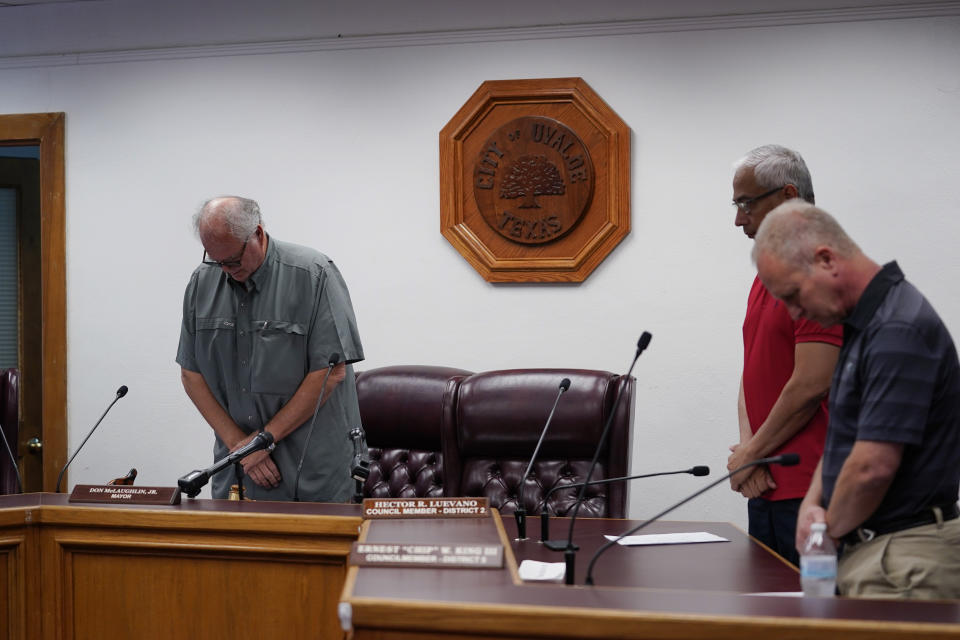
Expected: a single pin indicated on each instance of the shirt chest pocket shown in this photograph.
(215, 345)
(279, 360)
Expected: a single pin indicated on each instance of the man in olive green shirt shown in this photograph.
(262, 320)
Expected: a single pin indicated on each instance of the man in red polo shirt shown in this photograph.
(787, 367)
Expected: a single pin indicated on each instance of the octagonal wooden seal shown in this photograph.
(535, 180)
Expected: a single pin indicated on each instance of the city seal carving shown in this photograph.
(533, 180)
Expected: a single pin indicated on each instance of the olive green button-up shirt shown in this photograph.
(254, 342)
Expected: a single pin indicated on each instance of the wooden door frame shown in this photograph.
(46, 130)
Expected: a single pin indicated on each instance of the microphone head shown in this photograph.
(700, 470)
(334, 359)
(643, 342)
(565, 384)
(266, 436)
(789, 459)
(122, 391)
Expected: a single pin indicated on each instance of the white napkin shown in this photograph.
(531, 570)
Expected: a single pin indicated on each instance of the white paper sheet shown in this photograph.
(669, 538)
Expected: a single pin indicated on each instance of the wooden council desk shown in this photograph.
(204, 569)
(219, 569)
(676, 592)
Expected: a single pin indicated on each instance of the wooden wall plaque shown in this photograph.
(535, 180)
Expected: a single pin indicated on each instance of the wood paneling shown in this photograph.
(236, 595)
(204, 569)
(12, 588)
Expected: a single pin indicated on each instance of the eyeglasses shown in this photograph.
(232, 262)
(744, 203)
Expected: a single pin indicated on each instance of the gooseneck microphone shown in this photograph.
(785, 460)
(334, 359)
(13, 460)
(191, 483)
(521, 513)
(122, 391)
(699, 470)
(569, 549)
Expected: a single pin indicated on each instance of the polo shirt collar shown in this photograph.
(259, 277)
(873, 295)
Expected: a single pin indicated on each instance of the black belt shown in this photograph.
(927, 516)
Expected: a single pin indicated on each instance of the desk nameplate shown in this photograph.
(120, 494)
(379, 508)
(435, 556)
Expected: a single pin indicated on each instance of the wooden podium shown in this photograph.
(205, 569)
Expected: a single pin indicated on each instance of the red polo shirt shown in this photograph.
(769, 339)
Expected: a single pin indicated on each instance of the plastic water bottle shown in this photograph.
(818, 563)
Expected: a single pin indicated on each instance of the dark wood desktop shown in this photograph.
(682, 591)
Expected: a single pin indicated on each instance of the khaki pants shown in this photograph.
(922, 562)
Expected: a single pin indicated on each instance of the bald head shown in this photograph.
(806, 259)
(227, 216)
(230, 229)
(794, 230)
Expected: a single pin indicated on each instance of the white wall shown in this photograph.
(340, 146)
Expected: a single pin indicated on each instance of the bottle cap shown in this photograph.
(818, 526)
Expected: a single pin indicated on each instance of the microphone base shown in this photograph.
(521, 517)
(560, 545)
(569, 557)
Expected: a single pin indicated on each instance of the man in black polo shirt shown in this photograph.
(888, 481)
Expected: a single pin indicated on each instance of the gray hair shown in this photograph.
(241, 215)
(794, 230)
(774, 166)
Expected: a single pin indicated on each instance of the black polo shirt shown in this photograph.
(897, 380)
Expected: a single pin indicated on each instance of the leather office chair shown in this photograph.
(498, 418)
(10, 419)
(402, 409)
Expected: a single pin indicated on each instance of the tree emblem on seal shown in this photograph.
(533, 180)
(529, 177)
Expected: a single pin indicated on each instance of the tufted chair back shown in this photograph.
(10, 421)
(402, 409)
(498, 418)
